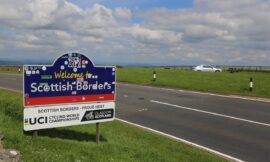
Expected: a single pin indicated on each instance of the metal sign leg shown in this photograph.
(97, 133)
(35, 134)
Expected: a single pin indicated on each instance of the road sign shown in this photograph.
(71, 79)
(36, 118)
(72, 91)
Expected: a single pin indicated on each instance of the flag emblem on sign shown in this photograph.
(26, 121)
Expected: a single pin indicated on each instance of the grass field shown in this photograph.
(9, 72)
(225, 82)
(119, 141)
(10, 69)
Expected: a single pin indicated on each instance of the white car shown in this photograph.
(207, 68)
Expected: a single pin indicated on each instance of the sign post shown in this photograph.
(72, 91)
(97, 133)
(154, 76)
(35, 134)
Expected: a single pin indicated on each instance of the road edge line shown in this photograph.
(228, 157)
(210, 113)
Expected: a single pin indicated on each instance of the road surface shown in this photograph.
(234, 126)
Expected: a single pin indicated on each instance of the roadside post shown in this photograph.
(19, 69)
(72, 91)
(250, 84)
(154, 76)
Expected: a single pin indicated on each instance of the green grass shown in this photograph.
(9, 69)
(119, 142)
(9, 72)
(225, 82)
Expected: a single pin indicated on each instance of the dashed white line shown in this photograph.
(211, 113)
(144, 109)
(230, 158)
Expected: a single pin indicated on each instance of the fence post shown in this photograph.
(154, 76)
(250, 84)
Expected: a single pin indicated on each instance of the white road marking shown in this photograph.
(211, 113)
(228, 157)
(204, 93)
(145, 109)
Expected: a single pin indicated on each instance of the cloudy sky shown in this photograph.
(156, 32)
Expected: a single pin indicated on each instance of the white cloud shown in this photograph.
(42, 11)
(211, 26)
(146, 35)
(123, 13)
(218, 32)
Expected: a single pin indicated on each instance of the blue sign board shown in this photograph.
(72, 78)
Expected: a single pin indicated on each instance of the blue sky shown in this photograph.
(136, 4)
(146, 32)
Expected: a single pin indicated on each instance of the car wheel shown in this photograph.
(217, 71)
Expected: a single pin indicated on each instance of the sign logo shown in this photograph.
(89, 116)
(98, 114)
(26, 121)
(74, 61)
(33, 121)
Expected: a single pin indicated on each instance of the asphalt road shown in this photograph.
(233, 126)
